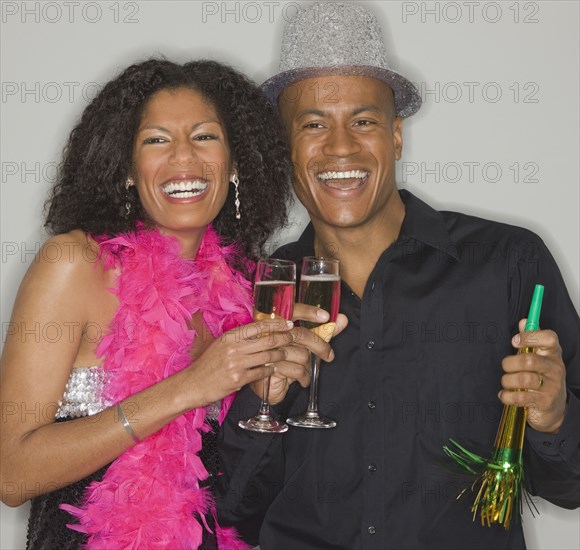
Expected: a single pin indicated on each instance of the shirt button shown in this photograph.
(562, 443)
(372, 468)
(547, 443)
(370, 344)
(372, 530)
(371, 405)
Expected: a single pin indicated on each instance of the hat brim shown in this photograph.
(406, 97)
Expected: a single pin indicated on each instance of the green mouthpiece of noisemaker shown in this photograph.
(533, 322)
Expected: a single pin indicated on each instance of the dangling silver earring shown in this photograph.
(129, 183)
(236, 183)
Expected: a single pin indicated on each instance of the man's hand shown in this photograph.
(295, 367)
(541, 374)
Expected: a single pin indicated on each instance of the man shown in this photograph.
(431, 316)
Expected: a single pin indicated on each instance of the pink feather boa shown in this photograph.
(150, 496)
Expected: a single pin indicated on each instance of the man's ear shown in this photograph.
(397, 129)
(285, 113)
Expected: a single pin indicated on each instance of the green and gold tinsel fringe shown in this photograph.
(499, 487)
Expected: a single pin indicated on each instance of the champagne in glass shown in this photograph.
(274, 290)
(320, 287)
(273, 299)
(322, 291)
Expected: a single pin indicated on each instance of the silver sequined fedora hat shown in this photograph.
(329, 38)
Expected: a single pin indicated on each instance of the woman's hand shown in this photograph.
(238, 357)
(295, 367)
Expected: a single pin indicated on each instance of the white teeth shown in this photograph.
(185, 189)
(359, 174)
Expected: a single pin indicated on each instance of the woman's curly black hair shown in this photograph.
(90, 191)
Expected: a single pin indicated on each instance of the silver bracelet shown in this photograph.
(126, 424)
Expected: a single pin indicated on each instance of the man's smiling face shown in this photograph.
(344, 140)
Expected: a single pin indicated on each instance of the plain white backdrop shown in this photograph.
(497, 136)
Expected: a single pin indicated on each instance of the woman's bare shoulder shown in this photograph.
(66, 264)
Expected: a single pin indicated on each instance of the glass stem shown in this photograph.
(265, 406)
(313, 398)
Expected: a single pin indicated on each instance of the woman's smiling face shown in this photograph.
(181, 163)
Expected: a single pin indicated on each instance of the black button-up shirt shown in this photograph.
(419, 363)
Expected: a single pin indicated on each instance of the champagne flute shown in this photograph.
(320, 287)
(274, 290)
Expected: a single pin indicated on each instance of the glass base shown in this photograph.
(311, 421)
(264, 424)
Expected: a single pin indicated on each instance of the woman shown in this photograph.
(143, 288)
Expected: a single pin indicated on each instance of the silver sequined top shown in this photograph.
(83, 395)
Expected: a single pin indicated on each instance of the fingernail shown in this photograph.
(516, 339)
(323, 315)
(331, 356)
(329, 331)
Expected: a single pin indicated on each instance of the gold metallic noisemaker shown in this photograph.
(498, 487)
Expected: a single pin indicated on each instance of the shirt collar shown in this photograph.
(306, 241)
(426, 225)
(421, 222)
